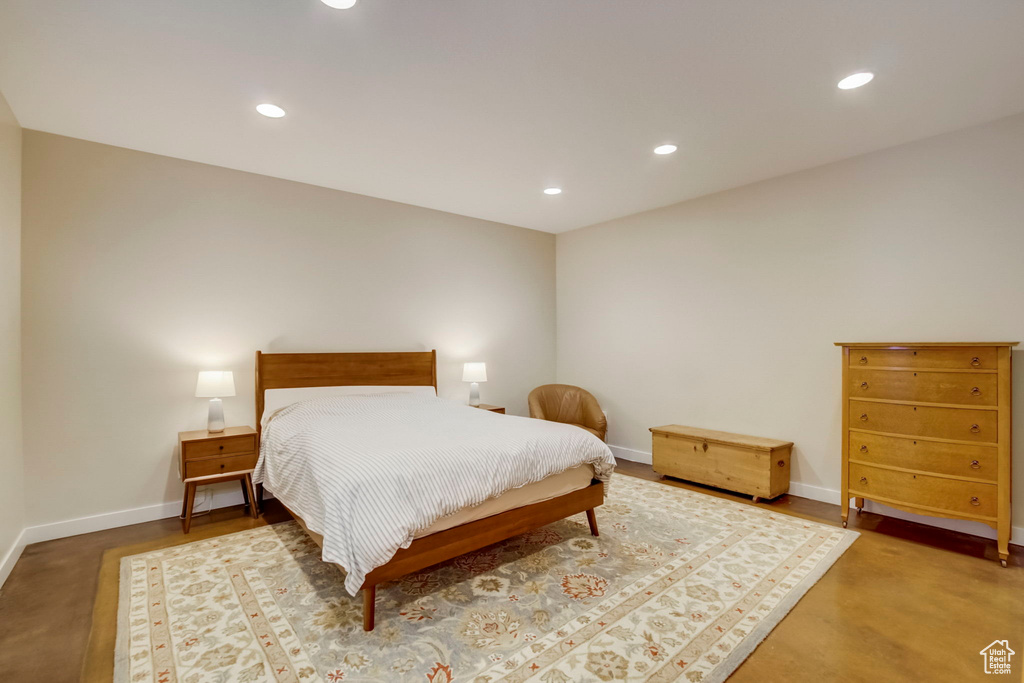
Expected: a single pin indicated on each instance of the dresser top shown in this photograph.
(914, 345)
(727, 438)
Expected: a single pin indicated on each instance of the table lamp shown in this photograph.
(474, 373)
(213, 384)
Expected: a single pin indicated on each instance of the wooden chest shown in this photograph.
(747, 464)
(926, 429)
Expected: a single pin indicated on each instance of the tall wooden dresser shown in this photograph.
(926, 429)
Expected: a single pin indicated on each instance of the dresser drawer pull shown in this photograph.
(863, 360)
(975, 501)
(975, 361)
(975, 391)
(864, 417)
(705, 446)
(863, 448)
(863, 480)
(863, 385)
(975, 428)
(221, 447)
(782, 463)
(975, 465)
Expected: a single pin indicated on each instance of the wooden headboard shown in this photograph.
(293, 370)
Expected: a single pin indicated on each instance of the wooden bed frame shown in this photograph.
(416, 368)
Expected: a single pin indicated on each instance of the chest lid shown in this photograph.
(727, 438)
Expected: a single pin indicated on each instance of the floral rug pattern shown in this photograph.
(679, 586)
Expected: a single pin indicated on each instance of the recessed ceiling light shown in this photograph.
(270, 110)
(339, 4)
(665, 149)
(553, 190)
(856, 80)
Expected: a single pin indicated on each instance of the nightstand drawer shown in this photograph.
(204, 468)
(228, 445)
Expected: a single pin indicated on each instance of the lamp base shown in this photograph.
(474, 393)
(215, 423)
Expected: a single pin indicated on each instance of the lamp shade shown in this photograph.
(474, 372)
(215, 384)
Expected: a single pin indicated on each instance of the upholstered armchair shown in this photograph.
(569, 404)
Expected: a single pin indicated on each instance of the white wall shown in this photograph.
(12, 501)
(721, 312)
(140, 270)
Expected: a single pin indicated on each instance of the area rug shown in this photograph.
(679, 586)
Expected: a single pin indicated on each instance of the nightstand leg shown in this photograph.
(247, 484)
(245, 493)
(259, 498)
(190, 500)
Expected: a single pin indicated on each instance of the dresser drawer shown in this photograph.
(964, 388)
(959, 460)
(228, 445)
(936, 493)
(945, 423)
(234, 463)
(957, 357)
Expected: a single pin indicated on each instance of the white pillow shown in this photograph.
(275, 399)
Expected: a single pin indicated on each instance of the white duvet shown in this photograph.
(367, 472)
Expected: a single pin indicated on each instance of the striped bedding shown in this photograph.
(369, 471)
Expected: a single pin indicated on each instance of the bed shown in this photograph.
(356, 468)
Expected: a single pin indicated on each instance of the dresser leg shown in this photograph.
(757, 499)
(1003, 542)
(190, 501)
(858, 503)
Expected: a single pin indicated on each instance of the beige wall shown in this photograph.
(140, 270)
(721, 312)
(11, 466)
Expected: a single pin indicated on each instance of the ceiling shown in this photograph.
(475, 106)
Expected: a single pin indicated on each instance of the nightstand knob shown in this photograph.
(863, 480)
(975, 391)
(222, 465)
(975, 428)
(863, 385)
(975, 501)
(863, 448)
(221, 447)
(975, 465)
(864, 417)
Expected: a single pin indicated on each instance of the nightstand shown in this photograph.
(213, 457)
(493, 409)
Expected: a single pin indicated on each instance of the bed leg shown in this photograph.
(592, 519)
(369, 600)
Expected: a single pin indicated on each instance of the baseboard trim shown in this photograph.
(828, 495)
(11, 558)
(621, 452)
(110, 520)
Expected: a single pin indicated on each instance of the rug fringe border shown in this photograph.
(782, 610)
(121, 654)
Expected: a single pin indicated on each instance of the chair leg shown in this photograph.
(592, 520)
(369, 603)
